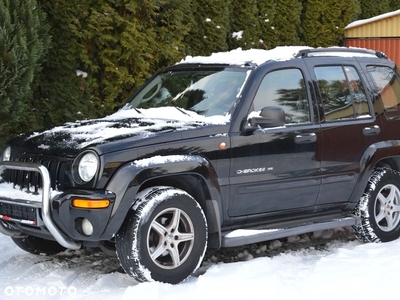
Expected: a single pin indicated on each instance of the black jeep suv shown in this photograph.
(218, 151)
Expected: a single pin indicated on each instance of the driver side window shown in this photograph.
(286, 89)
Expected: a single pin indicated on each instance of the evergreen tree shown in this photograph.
(286, 24)
(370, 8)
(323, 21)
(116, 41)
(266, 16)
(117, 44)
(24, 40)
(210, 29)
(244, 25)
(62, 95)
(173, 22)
(394, 5)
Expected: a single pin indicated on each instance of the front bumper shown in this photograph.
(44, 206)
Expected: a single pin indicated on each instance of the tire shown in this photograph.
(379, 208)
(38, 246)
(164, 237)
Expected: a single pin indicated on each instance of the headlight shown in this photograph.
(6, 154)
(87, 166)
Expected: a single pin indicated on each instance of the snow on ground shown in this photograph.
(344, 269)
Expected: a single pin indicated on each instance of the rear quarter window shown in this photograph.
(386, 88)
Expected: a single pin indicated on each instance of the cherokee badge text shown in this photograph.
(246, 171)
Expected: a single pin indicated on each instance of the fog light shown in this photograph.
(87, 227)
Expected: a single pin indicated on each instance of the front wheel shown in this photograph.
(379, 208)
(164, 237)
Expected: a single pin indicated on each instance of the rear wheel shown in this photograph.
(379, 208)
(38, 246)
(164, 238)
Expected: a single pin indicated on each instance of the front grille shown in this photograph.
(32, 180)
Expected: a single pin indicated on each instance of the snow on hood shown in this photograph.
(240, 57)
(125, 122)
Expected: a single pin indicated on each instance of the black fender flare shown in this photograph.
(370, 158)
(126, 183)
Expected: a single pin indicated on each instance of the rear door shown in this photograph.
(348, 125)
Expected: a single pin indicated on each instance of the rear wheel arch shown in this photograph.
(389, 163)
(375, 156)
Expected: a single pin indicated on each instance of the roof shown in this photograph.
(373, 19)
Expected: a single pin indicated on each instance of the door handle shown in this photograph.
(305, 138)
(372, 130)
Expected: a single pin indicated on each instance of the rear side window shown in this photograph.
(342, 92)
(386, 88)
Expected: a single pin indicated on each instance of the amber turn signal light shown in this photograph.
(85, 203)
(222, 146)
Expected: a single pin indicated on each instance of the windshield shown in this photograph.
(208, 92)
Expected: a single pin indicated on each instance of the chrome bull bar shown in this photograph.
(46, 198)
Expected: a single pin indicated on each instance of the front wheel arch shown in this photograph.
(196, 186)
(164, 237)
(133, 177)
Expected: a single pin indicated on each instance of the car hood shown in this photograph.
(126, 124)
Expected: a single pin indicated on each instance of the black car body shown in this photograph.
(266, 150)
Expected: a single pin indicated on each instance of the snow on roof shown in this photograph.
(240, 57)
(259, 56)
(373, 19)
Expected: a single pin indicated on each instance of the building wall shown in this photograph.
(381, 33)
(389, 46)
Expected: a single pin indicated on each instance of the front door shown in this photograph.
(276, 169)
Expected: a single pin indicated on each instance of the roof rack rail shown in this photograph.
(307, 52)
(250, 64)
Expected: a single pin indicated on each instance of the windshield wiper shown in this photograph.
(137, 110)
(181, 110)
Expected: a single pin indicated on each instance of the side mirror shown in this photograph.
(270, 116)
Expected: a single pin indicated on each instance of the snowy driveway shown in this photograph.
(342, 270)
